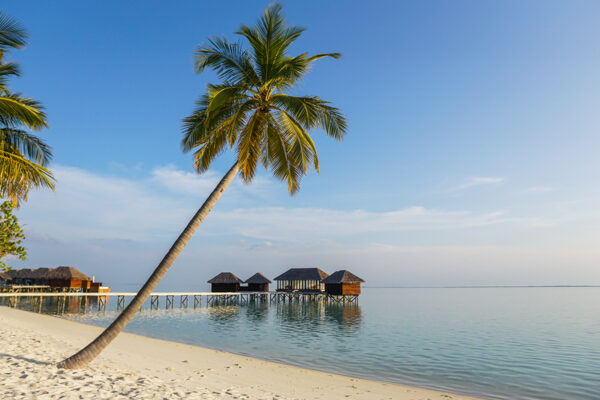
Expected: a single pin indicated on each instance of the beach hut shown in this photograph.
(5, 278)
(301, 279)
(68, 277)
(225, 282)
(258, 283)
(39, 276)
(342, 282)
(22, 276)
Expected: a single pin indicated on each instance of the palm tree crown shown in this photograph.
(250, 109)
(23, 156)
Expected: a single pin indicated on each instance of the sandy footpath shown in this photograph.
(136, 367)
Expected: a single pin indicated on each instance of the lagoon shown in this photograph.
(496, 343)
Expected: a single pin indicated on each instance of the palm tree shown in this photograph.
(250, 112)
(23, 156)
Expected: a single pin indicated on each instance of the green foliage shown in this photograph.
(11, 235)
(23, 156)
(250, 110)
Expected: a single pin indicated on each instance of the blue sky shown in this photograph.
(472, 154)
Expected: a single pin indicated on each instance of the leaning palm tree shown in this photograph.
(250, 112)
(23, 156)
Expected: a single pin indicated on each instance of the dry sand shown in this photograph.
(137, 367)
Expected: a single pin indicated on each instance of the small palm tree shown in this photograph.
(23, 156)
(250, 112)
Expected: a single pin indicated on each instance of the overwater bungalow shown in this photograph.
(61, 278)
(302, 279)
(342, 282)
(5, 278)
(258, 283)
(225, 282)
(68, 277)
(21, 276)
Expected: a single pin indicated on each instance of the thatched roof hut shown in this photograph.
(225, 277)
(342, 276)
(66, 273)
(258, 283)
(258, 278)
(57, 277)
(225, 282)
(20, 273)
(342, 282)
(302, 279)
(295, 274)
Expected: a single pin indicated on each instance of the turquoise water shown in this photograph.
(495, 343)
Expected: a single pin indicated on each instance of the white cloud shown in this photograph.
(478, 181)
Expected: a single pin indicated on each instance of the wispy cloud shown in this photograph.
(478, 181)
(318, 224)
(118, 228)
(96, 207)
(541, 189)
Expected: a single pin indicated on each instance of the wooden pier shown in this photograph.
(170, 299)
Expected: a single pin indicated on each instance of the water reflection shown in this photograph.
(347, 317)
(224, 315)
(257, 311)
(55, 305)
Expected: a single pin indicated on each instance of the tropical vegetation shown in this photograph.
(23, 156)
(11, 236)
(252, 112)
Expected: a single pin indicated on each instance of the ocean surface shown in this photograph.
(494, 343)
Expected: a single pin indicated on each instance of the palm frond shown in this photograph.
(279, 158)
(198, 127)
(7, 70)
(302, 149)
(15, 110)
(290, 70)
(269, 39)
(230, 61)
(209, 149)
(32, 147)
(19, 175)
(313, 112)
(12, 34)
(250, 144)
(220, 96)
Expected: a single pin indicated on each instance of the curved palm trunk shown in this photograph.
(88, 353)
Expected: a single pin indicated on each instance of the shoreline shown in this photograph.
(140, 367)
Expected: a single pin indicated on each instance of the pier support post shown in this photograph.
(154, 302)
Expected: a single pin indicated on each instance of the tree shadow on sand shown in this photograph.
(31, 360)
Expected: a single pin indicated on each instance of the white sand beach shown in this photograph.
(137, 367)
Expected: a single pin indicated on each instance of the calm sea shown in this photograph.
(495, 343)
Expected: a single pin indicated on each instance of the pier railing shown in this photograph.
(169, 298)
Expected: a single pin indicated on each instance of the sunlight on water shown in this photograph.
(504, 343)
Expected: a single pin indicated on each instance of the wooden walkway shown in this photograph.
(169, 299)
